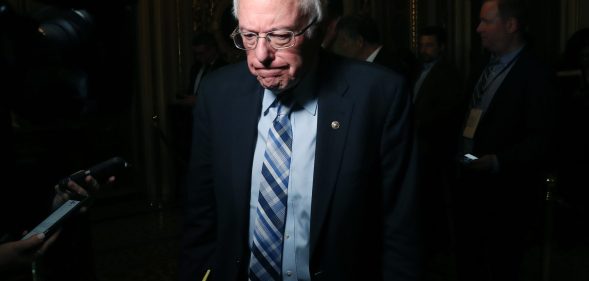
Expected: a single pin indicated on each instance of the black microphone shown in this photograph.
(100, 171)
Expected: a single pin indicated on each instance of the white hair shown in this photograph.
(312, 9)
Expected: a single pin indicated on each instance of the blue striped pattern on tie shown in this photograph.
(485, 81)
(266, 258)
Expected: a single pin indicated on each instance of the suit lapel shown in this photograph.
(428, 83)
(245, 112)
(502, 90)
(331, 139)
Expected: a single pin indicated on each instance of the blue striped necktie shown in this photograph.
(266, 258)
(485, 80)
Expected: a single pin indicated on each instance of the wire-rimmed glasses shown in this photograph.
(278, 39)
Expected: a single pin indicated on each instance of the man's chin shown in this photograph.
(272, 84)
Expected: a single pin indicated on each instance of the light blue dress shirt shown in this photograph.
(426, 68)
(303, 118)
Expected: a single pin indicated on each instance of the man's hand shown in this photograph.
(486, 164)
(75, 190)
(23, 252)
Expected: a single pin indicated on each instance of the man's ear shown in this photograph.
(512, 25)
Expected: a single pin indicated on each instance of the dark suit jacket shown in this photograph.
(403, 62)
(437, 108)
(518, 127)
(362, 224)
(195, 68)
(437, 118)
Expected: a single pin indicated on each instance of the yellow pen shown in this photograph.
(206, 275)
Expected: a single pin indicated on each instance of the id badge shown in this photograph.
(472, 123)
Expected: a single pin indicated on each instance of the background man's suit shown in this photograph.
(437, 117)
(403, 62)
(438, 103)
(363, 165)
(517, 127)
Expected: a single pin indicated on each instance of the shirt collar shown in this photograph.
(373, 55)
(505, 59)
(428, 65)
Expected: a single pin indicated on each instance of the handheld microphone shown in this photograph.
(100, 171)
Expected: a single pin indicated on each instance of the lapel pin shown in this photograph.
(335, 125)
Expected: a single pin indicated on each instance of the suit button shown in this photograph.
(335, 125)
(289, 273)
(238, 260)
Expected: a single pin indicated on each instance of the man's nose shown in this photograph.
(264, 52)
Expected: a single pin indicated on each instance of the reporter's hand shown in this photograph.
(75, 190)
(486, 163)
(23, 252)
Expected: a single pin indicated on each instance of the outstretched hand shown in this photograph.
(22, 252)
(75, 190)
(486, 163)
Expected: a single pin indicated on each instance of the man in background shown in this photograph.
(437, 96)
(358, 37)
(206, 56)
(206, 59)
(509, 126)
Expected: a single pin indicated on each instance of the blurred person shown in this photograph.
(437, 96)
(334, 12)
(302, 162)
(357, 37)
(509, 126)
(207, 58)
(573, 77)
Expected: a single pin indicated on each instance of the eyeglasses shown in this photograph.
(278, 39)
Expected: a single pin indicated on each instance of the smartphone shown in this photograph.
(54, 221)
(467, 158)
(470, 157)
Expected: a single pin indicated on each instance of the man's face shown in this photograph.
(204, 54)
(346, 46)
(429, 48)
(493, 29)
(276, 69)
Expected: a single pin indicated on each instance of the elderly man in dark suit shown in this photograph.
(508, 126)
(302, 165)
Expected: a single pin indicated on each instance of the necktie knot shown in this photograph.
(486, 79)
(494, 64)
(284, 105)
